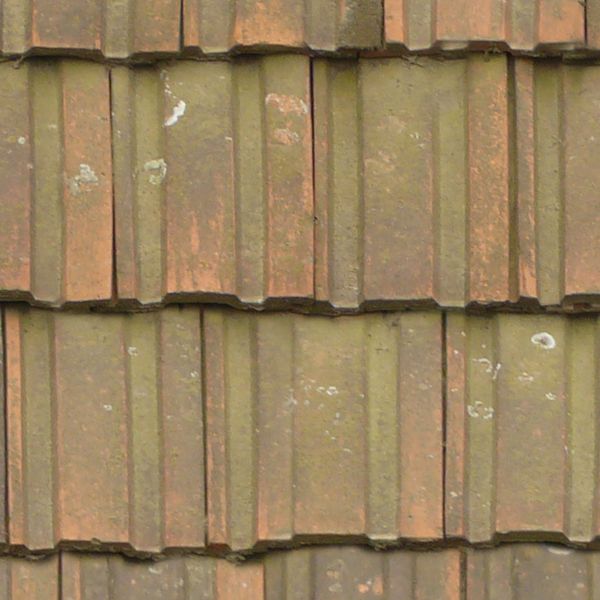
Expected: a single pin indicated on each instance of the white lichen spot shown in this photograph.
(560, 551)
(154, 570)
(287, 104)
(551, 396)
(194, 374)
(525, 377)
(108, 407)
(490, 368)
(286, 137)
(178, 112)
(157, 170)
(84, 181)
(132, 351)
(544, 339)
(478, 410)
(21, 140)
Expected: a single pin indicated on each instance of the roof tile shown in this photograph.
(305, 413)
(532, 572)
(412, 181)
(242, 225)
(222, 25)
(524, 25)
(22, 579)
(521, 427)
(97, 448)
(116, 29)
(56, 173)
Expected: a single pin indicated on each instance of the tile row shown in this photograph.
(514, 572)
(382, 184)
(185, 428)
(207, 27)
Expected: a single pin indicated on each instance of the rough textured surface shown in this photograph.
(22, 579)
(533, 572)
(412, 181)
(356, 574)
(525, 25)
(105, 429)
(213, 180)
(56, 182)
(522, 427)
(117, 29)
(325, 25)
(323, 427)
(558, 134)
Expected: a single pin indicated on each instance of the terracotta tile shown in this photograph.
(216, 26)
(532, 572)
(115, 29)
(217, 157)
(91, 577)
(355, 573)
(558, 136)
(412, 181)
(517, 24)
(56, 169)
(22, 579)
(521, 427)
(105, 440)
(322, 427)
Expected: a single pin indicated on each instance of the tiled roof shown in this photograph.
(299, 299)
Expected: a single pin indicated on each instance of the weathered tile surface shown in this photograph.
(213, 180)
(105, 434)
(454, 24)
(115, 29)
(192, 578)
(322, 427)
(412, 181)
(326, 25)
(522, 426)
(357, 573)
(558, 136)
(533, 572)
(56, 182)
(22, 579)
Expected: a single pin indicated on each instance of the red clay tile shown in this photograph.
(215, 26)
(521, 428)
(558, 135)
(532, 572)
(412, 181)
(22, 579)
(322, 427)
(217, 157)
(56, 170)
(116, 29)
(525, 25)
(356, 573)
(105, 439)
(89, 577)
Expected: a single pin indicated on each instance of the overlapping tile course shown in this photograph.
(513, 572)
(213, 180)
(105, 429)
(455, 182)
